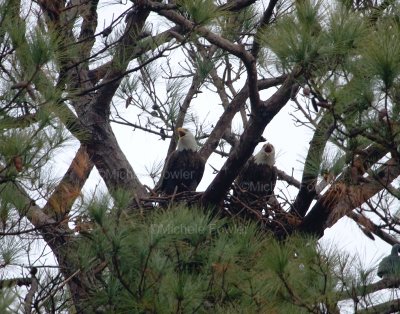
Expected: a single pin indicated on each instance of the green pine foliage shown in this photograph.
(381, 52)
(6, 299)
(344, 30)
(333, 162)
(234, 26)
(353, 63)
(199, 11)
(31, 131)
(24, 154)
(184, 260)
(298, 38)
(203, 66)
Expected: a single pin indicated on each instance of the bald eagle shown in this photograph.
(184, 168)
(390, 265)
(257, 179)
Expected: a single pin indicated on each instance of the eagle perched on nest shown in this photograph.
(184, 167)
(258, 177)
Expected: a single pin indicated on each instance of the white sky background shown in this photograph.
(291, 144)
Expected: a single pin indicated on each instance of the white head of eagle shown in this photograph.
(258, 176)
(266, 155)
(186, 140)
(184, 168)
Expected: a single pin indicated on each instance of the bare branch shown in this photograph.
(224, 121)
(287, 178)
(363, 290)
(369, 225)
(33, 289)
(266, 18)
(134, 23)
(140, 48)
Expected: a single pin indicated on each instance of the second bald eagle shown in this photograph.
(184, 168)
(258, 177)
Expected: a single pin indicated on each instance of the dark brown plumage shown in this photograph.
(185, 167)
(258, 177)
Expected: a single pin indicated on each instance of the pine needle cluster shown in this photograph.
(184, 260)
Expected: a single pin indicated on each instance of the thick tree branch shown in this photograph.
(312, 163)
(88, 28)
(236, 5)
(59, 238)
(379, 285)
(52, 11)
(109, 159)
(383, 308)
(93, 110)
(251, 136)
(341, 198)
(69, 188)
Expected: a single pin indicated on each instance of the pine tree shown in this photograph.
(67, 77)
